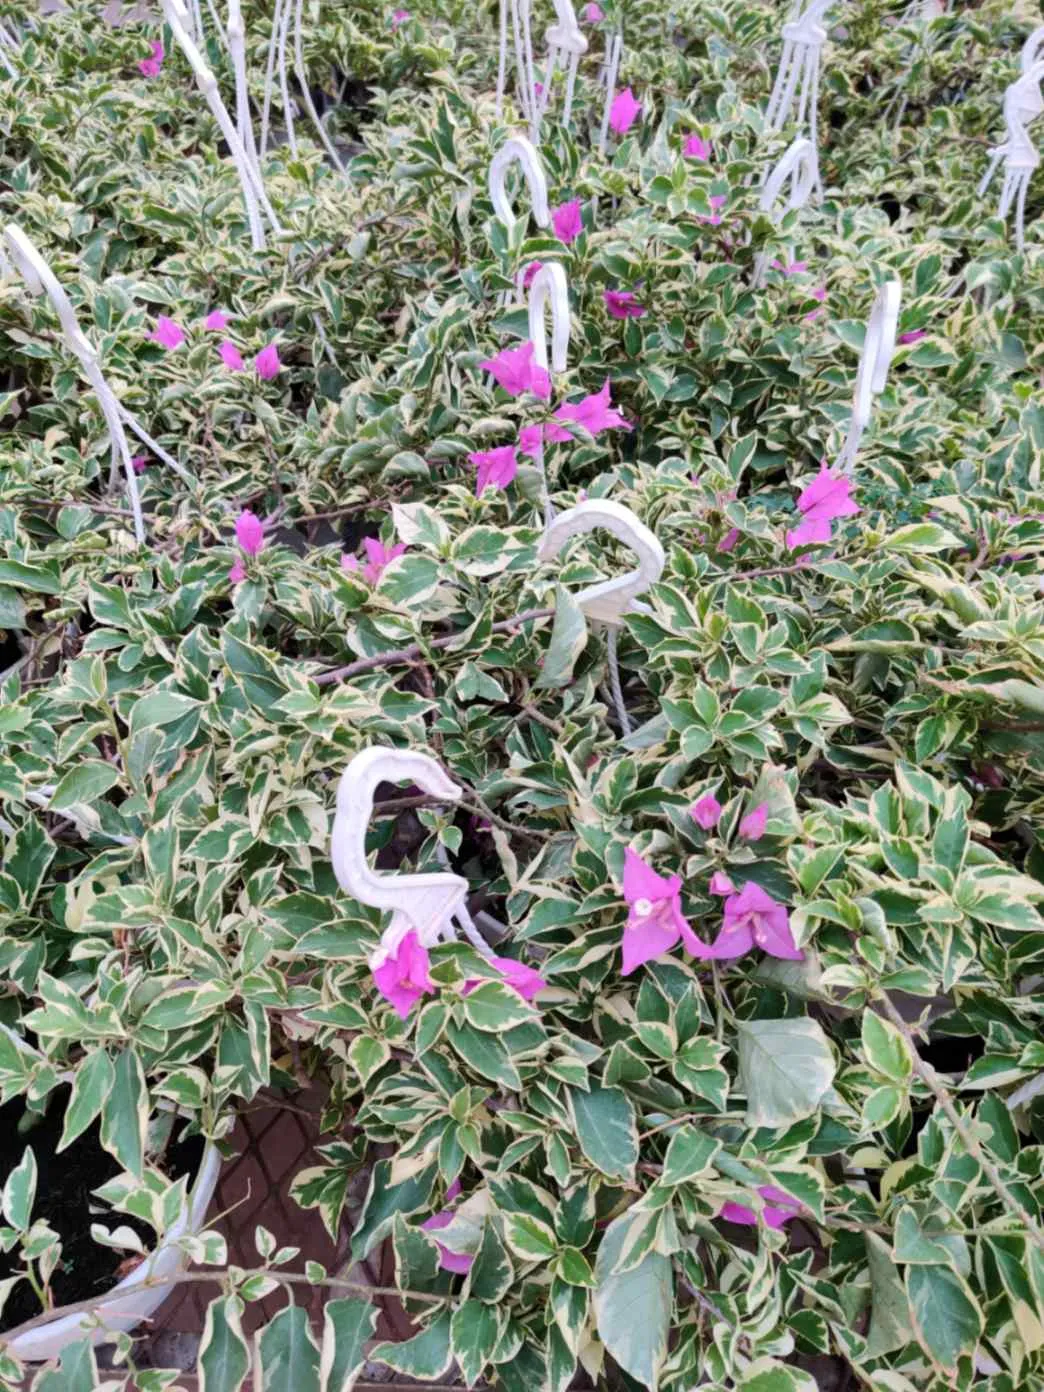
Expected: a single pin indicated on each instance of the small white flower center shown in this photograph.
(643, 907)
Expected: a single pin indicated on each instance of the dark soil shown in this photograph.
(63, 1196)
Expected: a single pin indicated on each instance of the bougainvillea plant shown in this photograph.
(748, 1095)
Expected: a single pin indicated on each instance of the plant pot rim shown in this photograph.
(125, 1306)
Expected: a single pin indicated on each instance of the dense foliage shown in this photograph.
(745, 1171)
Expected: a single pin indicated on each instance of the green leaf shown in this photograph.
(125, 1113)
(496, 1007)
(945, 1315)
(768, 1375)
(574, 1268)
(633, 1309)
(427, 1355)
(690, 1153)
(607, 1129)
(224, 1357)
(91, 1087)
(384, 1200)
(20, 1191)
(529, 1238)
(77, 1371)
(474, 1329)
(348, 1326)
(86, 783)
(160, 708)
(921, 536)
(885, 1049)
(288, 1354)
(786, 1067)
(890, 1326)
(491, 1274)
(568, 640)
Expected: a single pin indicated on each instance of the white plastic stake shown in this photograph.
(799, 64)
(306, 95)
(236, 35)
(41, 280)
(611, 72)
(549, 289)
(254, 196)
(876, 357)
(798, 165)
(608, 601)
(431, 902)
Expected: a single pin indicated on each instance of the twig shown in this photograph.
(72, 502)
(289, 1278)
(477, 808)
(770, 570)
(399, 655)
(935, 1085)
(555, 726)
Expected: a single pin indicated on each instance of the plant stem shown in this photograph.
(400, 655)
(937, 1087)
(288, 1278)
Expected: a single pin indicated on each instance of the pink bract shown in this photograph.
(622, 304)
(655, 922)
(525, 980)
(168, 333)
(594, 412)
(496, 467)
(249, 533)
(217, 320)
(567, 222)
(231, 356)
(827, 497)
(403, 976)
(696, 148)
(752, 827)
(267, 363)
(624, 111)
(706, 811)
(517, 371)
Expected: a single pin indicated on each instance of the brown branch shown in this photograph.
(477, 808)
(771, 570)
(289, 1278)
(937, 1088)
(400, 655)
(72, 502)
(554, 726)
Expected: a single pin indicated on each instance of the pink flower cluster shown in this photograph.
(403, 977)
(169, 334)
(518, 372)
(151, 66)
(827, 497)
(377, 557)
(250, 537)
(655, 922)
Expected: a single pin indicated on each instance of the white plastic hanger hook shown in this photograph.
(518, 150)
(428, 902)
(798, 165)
(1023, 103)
(549, 288)
(876, 357)
(803, 38)
(608, 601)
(1032, 48)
